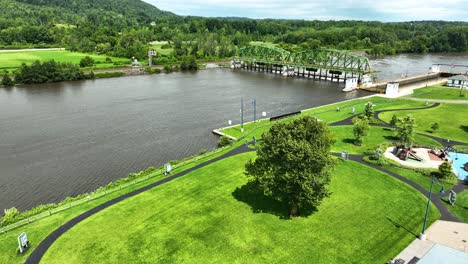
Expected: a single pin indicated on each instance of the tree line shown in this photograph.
(124, 28)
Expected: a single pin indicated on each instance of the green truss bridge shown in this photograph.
(325, 64)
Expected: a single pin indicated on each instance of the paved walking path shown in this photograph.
(436, 197)
(439, 100)
(41, 249)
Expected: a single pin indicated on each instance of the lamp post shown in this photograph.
(422, 236)
(242, 114)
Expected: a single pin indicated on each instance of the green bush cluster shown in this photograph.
(224, 141)
(153, 70)
(87, 61)
(98, 75)
(49, 71)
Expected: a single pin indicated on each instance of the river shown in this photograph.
(63, 139)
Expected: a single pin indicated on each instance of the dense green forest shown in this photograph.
(123, 28)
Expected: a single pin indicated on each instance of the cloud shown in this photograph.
(395, 10)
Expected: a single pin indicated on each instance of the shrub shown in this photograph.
(10, 215)
(188, 64)
(360, 129)
(394, 120)
(153, 70)
(87, 61)
(168, 68)
(445, 170)
(7, 81)
(224, 141)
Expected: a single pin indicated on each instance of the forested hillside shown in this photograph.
(124, 28)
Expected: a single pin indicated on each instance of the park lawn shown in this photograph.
(376, 136)
(327, 113)
(212, 215)
(424, 180)
(460, 208)
(461, 148)
(13, 60)
(452, 120)
(38, 230)
(439, 92)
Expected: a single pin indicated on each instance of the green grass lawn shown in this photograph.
(460, 208)
(212, 215)
(461, 148)
(376, 136)
(423, 179)
(327, 113)
(452, 120)
(37, 231)
(439, 92)
(13, 60)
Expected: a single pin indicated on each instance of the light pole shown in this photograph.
(242, 114)
(422, 236)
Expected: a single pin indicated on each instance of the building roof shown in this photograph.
(439, 254)
(459, 78)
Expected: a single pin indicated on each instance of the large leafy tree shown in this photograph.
(360, 129)
(293, 163)
(405, 129)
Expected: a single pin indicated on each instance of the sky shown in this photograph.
(387, 10)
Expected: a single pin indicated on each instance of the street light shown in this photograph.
(422, 236)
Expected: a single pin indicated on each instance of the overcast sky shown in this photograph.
(386, 10)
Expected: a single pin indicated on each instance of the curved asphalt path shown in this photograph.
(436, 197)
(41, 249)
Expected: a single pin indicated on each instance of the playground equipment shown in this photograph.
(403, 153)
(442, 153)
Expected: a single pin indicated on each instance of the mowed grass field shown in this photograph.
(213, 216)
(460, 208)
(327, 113)
(452, 120)
(440, 92)
(376, 136)
(13, 60)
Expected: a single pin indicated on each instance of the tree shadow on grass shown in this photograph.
(464, 128)
(253, 196)
(400, 226)
(392, 138)
(348, 141)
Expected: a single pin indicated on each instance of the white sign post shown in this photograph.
(168, 168)
(23, 242)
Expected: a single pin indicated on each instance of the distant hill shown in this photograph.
(136, 9)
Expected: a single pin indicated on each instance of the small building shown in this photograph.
(458, 81)
(392, 89)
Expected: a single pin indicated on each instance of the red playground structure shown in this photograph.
(404, 153)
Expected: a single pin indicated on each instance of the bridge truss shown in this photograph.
(324, 59)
